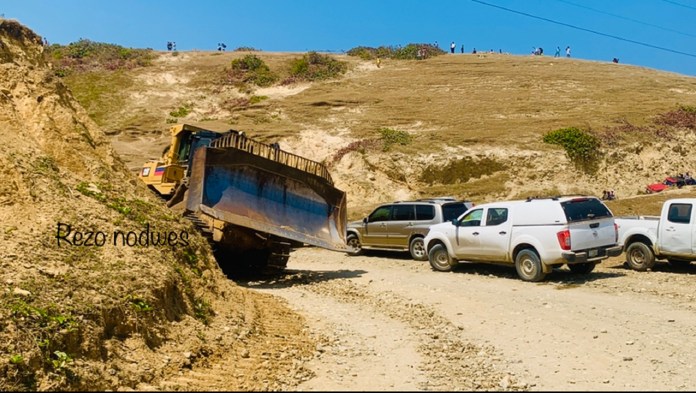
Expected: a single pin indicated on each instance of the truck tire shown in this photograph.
(417, 249)
(353, 243)
(581, 268)
(439, 259)
(528, 266)
(639, 256)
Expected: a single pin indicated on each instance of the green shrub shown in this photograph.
(581, 147)
(250, 69)
(394, 137)
(688, 109)
(256, 99)
(86, 55)
(314, 66)
(363, 52)
(182, 111)
(409, 52)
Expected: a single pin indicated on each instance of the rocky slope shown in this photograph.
(88, 300)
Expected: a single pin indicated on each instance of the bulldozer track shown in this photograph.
(279, 250)
(201, 225)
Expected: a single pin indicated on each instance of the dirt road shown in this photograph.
(385, 322)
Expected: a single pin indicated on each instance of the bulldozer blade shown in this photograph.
(256, 192)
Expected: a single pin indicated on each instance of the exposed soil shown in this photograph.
(385, 322)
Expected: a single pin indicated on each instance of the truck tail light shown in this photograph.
(564, 239)
(616, 232)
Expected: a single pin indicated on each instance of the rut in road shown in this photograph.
(268, 354)
(450, 363)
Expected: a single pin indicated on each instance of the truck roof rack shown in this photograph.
(557, 197)
(443, 198)
(537, 198)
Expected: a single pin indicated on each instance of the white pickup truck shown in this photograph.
(670, 236)
(535, 235)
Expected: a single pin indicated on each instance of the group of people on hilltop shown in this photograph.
(540, 51)
(171, 45)
(608, 195)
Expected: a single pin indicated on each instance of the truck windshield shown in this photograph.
(581, 209)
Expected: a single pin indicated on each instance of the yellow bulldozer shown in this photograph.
(254, 201)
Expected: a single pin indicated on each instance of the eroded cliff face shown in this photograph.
(84, 304)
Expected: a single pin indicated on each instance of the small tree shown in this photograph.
(581, 147)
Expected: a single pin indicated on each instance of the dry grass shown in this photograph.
(453, 106)
(498, 98)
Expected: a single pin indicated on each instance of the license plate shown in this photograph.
(592, 253)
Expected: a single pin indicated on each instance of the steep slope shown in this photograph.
(487, 113)
(102, 287)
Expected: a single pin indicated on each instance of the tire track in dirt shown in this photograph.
(443, 361)
(268, 353)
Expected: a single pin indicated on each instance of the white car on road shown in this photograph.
(535, 235)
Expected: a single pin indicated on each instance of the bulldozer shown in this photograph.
(254, 201)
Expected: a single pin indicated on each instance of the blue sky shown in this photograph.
(659, 34)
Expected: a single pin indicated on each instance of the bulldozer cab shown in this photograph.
(164, 175)
(188, 141)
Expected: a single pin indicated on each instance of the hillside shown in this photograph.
(88, 301)
(93, 311)
(483, 115)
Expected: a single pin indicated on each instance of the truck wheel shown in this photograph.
(528, 266)
(440, 259)
(354, 244)
(581, 268)
(417, 249)
(679, 263)
(639, 256)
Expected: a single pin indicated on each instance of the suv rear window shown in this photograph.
(580, 209)
(451, 211)
(403, 213)
(425, 212)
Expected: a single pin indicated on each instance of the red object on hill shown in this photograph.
(655, 187)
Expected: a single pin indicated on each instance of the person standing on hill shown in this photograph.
(567, 51)
(558, 52)
(452, 46)
(462, 48)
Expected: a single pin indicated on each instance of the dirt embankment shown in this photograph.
(88, 301)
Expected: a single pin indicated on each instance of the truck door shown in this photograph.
(376, 230)
(675, 230)
(468, 231)
(494, 235)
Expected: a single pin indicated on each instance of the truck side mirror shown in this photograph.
(364, 220)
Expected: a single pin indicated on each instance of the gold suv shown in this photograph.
(401, 226)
